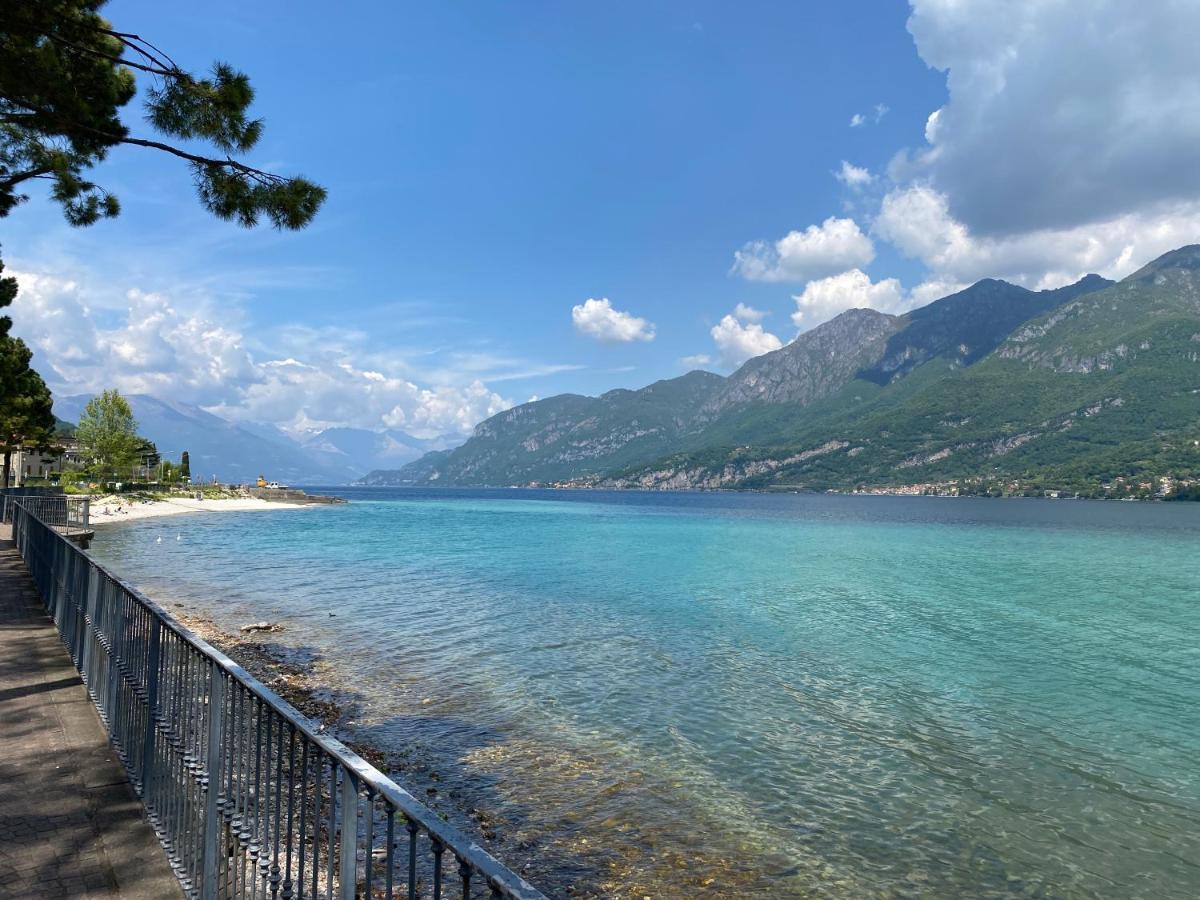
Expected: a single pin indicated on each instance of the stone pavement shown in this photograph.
(70, 823)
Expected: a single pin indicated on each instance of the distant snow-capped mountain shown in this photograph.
(240, 452)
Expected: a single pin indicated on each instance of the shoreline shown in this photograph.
(776, 491)
(110, 509)
(296, 675)
(558, 862)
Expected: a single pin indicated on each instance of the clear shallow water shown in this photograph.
(752, 694)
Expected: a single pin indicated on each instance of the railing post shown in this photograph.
(212, 821)
(114, 624)
(87, 511)
(151, 710)
(83, 653)
(54, 596)
(349, 868)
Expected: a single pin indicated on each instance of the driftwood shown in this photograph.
(261, 626)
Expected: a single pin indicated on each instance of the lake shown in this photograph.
(665, 694)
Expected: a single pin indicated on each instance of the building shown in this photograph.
(36, 465)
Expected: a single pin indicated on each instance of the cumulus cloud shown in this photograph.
(748, 313)
(154, 347)
(597, 319)
(817, 252)
(853, 176)
(918, 221)
(739, 336)
(826, 297)
(1054, 120)
(933, 289)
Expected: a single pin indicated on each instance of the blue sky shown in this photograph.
(493, 166)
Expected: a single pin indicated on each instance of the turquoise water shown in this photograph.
(668, 694)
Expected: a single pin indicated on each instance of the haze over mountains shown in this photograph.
(240, 452)
(1078, 385)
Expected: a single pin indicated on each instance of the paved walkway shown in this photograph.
(70, 823)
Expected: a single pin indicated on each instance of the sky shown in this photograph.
(530, 198)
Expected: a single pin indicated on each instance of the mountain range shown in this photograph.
(240, 452)
(1079, 387)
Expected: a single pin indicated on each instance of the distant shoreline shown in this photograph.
(778, 490)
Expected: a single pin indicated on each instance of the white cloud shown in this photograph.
(1066, 146)
(826, 297)
(917, 220)
(878, 111)
(819, 251)
(853, 176)
(933, 289)
(1060, 117)
(697, 361)
(597, 319)
(153, 347)
(748, 313)
(738, 340)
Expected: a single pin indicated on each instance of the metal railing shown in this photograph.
(68, 514)
(248, 798)
(10, 494)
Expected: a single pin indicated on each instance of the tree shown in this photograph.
(107, 433)
(148, 456)
(65, 74)
(185, 467)
(8, 293)
(26, 408)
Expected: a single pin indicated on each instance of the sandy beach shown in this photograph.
(105, 510)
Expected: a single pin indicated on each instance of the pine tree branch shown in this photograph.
(152, 69)
(135, 43)
(227, 163)
(13, 180)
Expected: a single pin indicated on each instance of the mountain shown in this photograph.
(1102, 388)
(217, 447)
(360, 450)
(569, 435)
(813, 366)
(1091, 382)
(966, 326)
(425, 470)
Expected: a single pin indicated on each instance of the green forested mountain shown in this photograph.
(993, 388)
(563, 437)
